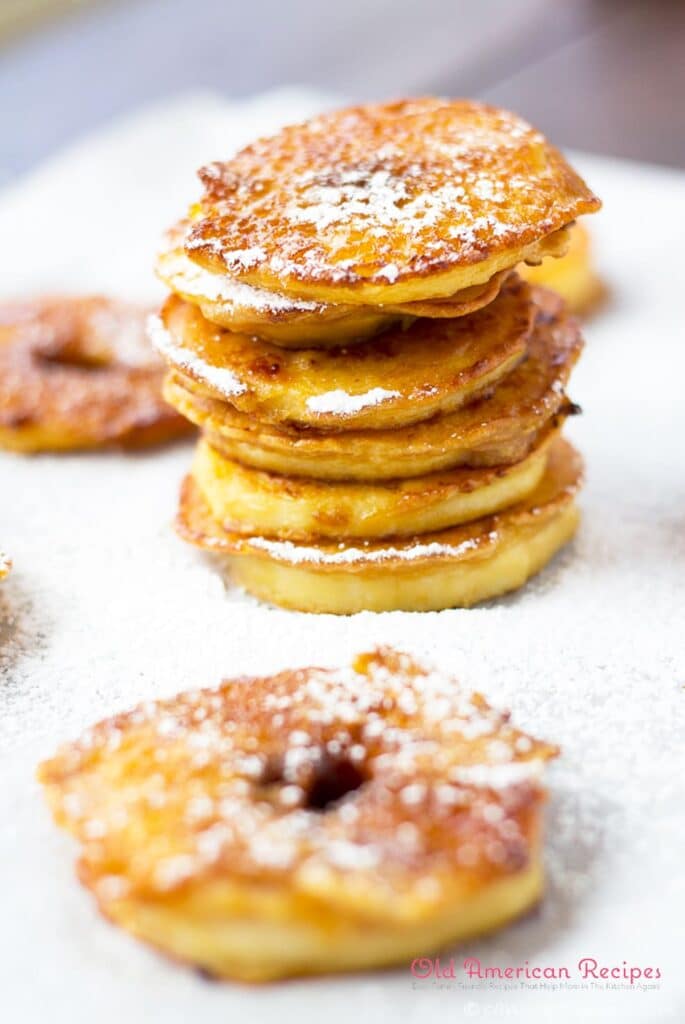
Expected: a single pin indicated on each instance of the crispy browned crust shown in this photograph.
(247, 310)
(479, 539)
(497, 429)
(433, 366)
(80, 373)
(383, 194)
(274, 779)
(248, 501)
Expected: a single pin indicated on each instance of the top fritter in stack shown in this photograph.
(380, 395)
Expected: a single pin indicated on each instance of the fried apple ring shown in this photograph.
(317, 820)
(299, 323)
(250, 501)
(573, 276)
(80, 373)
(456, 567)
(388, 203)
(399, 378)
(495, 430)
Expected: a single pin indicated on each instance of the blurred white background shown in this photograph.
(603, 75)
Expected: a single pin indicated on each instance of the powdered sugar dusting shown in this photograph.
(378, 194)
(296, 554)
(341, 403)
(350, 777)
(221, 379)
(330, 196)
(121, 329)
(197, 282)
(95, 619)
(497, 776)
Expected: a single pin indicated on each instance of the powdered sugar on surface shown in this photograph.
(105, 607)
(121, 331)
(218, 377)
(297, 554)
(198, 282)
(341, 403)
(384, 201)
(331, 196)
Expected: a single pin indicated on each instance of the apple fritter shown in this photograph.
(456, 567)
(495, 430)
(80, 373)
(250, 501)
(316, 820)
(299, 323)
(398, 378)
(387, 203)
(573, 276)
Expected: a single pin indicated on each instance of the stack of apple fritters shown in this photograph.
(380, 394)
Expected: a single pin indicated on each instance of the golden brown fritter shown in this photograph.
(249, 501)
(573, 277)
(400, 377)
(80, 373)
(455, 567)
(386, 203)
(315, 820)
(498, 429)
(298, 323)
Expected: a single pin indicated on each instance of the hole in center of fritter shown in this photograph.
(332, 779)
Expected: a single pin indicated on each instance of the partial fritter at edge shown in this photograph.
(78, 372)
(573, 277)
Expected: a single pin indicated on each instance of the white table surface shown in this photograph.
(106, 607)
